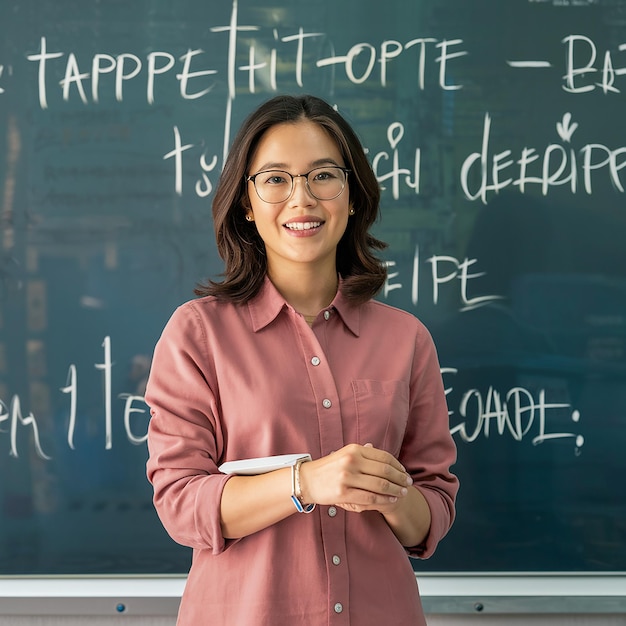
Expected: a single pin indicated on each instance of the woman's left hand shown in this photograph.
(355, 478)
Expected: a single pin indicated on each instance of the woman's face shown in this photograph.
(302, 228)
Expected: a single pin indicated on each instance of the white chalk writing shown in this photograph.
(517, 413)
(444, 269)
(556, 165)
(581, 56)
(11, 412)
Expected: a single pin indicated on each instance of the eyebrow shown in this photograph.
(274, 165)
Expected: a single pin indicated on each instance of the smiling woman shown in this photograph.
(300, 230)
(245, 265)
(289, 355)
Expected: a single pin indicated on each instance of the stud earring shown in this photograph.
(351, 211)
(249, 218)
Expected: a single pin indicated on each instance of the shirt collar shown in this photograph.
(268, 303)
(348, 312)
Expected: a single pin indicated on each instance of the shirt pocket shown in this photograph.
(382, 412)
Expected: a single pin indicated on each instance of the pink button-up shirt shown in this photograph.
(238, 381)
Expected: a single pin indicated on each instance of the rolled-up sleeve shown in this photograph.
(428, 450)
(184, 436)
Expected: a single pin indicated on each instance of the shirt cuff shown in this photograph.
(440, 522)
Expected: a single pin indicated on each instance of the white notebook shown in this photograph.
(262, 464)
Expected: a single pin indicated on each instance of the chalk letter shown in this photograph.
(42, 57)
(106, 366)
(185, 75)
(120, 76)
(96, 70)
(153, 70)
(71, 388)
(72, 75)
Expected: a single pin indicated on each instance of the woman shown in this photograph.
(289, 354)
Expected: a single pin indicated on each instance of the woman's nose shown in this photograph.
(300, 194)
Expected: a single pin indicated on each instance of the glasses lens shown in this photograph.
(273, 185)
(326, 183)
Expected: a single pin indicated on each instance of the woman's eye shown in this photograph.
(275, 179)
(323, 175)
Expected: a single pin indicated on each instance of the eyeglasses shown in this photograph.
(323, 183)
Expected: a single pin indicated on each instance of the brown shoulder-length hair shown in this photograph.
(238, 241)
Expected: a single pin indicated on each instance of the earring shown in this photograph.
(351, 211)
(249, 218)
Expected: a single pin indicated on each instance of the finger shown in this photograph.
(387, 467)
(382, 456)
(371, 499)
(359, 508)
(378, 485)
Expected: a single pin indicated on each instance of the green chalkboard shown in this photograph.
(496, 129)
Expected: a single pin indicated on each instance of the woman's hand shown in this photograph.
(356, 478)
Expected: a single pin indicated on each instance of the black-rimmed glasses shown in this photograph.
(323, 183)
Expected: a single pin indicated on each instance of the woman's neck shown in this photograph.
(308, 290)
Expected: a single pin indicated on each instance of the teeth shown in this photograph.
(303, 225)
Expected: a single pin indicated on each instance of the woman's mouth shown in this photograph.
(301, 226)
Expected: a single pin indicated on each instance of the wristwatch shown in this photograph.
(296, 490)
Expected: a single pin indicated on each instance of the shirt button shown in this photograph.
(332, 511)
(326, 403)
(336, 559)
(315, 360)
(327, 317)
(338, 607)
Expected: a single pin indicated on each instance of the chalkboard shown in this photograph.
(496, 129)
